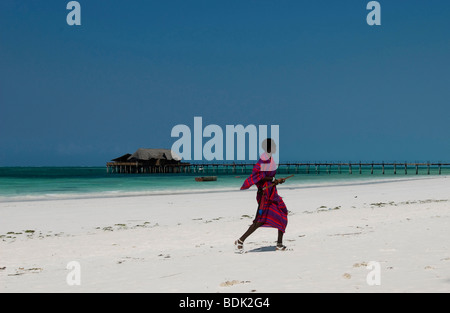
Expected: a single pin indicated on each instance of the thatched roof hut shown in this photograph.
(147, 161)
(144, 155)
(123, 158)
(150, 157)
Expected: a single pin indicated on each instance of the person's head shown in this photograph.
(269, 145)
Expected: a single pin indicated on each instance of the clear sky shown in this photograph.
(339, 88)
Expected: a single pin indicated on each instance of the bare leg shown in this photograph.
(240, 242)
(280, 246)
(250, 230)
(280, 238)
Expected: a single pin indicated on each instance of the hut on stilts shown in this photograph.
(147, 161)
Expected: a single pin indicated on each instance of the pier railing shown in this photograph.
(290, 167)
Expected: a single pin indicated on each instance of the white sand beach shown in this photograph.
(184, 243)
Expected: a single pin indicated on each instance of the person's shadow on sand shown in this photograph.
(264, 249)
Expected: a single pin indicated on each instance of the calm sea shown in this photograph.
(44, 183)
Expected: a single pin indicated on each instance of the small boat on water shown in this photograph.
(206, 178)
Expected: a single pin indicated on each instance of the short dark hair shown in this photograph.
(269, 145)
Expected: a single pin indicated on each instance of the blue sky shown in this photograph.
(338, 88)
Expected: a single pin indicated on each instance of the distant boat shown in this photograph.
(206, 178)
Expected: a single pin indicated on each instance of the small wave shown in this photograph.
(107, 194)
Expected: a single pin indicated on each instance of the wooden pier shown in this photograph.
(140, 168)
(292, 167)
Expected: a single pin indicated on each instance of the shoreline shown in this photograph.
(194, 190)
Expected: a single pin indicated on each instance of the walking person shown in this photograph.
(272, 211)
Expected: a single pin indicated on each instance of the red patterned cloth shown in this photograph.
(272, 211)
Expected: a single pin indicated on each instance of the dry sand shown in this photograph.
(184, 243)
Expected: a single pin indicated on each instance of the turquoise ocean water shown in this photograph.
(46, 183)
